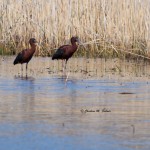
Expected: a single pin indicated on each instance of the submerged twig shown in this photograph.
(114, 49)
(135, 54)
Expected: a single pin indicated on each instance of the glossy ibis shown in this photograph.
(25, 55)
(66, 51)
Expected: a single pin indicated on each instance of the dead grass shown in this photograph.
(110, 26)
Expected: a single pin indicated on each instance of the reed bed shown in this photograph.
(106, 27)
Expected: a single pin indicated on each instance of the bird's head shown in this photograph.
(33, 41)
(74, 39)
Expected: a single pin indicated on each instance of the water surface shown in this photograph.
(43, 111)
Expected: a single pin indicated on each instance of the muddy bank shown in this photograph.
(81, 68)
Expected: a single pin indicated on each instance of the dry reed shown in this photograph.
(109, 25)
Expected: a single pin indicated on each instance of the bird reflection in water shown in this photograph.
(26, 96)
(24, 78)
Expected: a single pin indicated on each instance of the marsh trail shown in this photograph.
(44, 112)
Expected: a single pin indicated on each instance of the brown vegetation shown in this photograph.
(106, 27)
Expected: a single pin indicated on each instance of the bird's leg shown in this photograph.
(67, 74)
(65, 64)
(62, 65)
(26, 69)
(65, 67)
(21, 70)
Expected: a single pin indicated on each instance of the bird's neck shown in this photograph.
(33, 48)
(74, 45)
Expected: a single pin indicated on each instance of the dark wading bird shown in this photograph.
(25, 55)
(66, 51)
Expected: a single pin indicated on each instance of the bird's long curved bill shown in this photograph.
(80, 43)
(36, 43)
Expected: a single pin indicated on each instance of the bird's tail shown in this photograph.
(57, 55)
(15, 62)
(54, 57)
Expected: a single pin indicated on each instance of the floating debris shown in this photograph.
(126, 93)
(48, 68)
(50, 71)
(88, 86)
(84, 71)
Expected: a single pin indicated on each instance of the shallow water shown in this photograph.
(43, 111)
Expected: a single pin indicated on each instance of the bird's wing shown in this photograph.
(58, 54)
(63, 47)
(19, 57)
